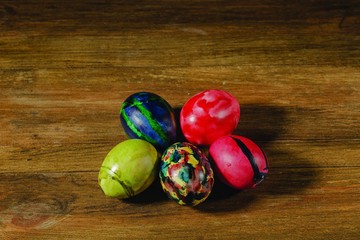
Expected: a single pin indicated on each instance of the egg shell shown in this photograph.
(185, 174)
(209, 115)
(148, 116)
(238, 161)
(128, 169)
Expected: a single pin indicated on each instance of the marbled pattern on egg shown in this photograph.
(185, 174)
(209, 115)
(149, 117)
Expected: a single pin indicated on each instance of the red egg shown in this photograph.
(209, 115)
(238, 161)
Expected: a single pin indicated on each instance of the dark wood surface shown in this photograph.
(66, 67)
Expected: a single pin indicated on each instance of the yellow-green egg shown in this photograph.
(128, 169)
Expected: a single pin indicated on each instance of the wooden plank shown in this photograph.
(167, 48)
(57, 201)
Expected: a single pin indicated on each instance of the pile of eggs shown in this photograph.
(186, 173)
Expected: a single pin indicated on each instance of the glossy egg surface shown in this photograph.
(209, 115)
(128, 169)
(148, 116)
(185, 174)
(238, 161)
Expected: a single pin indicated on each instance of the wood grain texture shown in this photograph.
(66, 67)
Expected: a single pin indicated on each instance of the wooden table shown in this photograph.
(66, 67)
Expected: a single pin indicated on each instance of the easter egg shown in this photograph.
(147, 116)
(209, 115)
(128, 169)
(238, 161)
(185, 174)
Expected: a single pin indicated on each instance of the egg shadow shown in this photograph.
(152, 194)
(262, 123)
(179, 134)
(265, 124)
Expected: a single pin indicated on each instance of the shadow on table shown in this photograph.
(152, 194)
(263, 124)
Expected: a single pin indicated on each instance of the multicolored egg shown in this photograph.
(238, 161)
(185, 174)
(128, 169)
(209, 115)
(148, 116)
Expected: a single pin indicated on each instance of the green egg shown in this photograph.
(128, 169)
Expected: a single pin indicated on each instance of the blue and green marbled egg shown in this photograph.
(147, 116)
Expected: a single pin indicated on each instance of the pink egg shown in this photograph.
(209, 115)
(238, 161)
